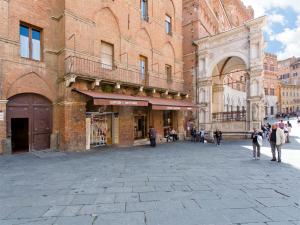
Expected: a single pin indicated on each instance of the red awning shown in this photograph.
(114, 99)
(101, 98)
(170, 104)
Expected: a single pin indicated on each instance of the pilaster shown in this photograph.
(3, 141)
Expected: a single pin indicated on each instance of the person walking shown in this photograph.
(277, 139)
(202, 135)
(194, 134)
(256, 143)
(286, 132)
(152, 136)
(218, 136)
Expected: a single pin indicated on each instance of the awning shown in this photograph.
(170, 104)
(101, 98)
(114, 99)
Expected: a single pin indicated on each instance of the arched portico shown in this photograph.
(236, 56)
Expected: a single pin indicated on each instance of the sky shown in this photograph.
(282, 32)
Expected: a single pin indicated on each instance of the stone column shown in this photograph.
(3, 141)
(255, 99)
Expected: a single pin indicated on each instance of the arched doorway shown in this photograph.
(29, 122)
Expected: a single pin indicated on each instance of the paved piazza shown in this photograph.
(173, 184)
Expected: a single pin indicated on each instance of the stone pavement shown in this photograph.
(173, 184)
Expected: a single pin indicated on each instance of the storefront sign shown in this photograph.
(120, 102)
(174, 108)
(1, 116)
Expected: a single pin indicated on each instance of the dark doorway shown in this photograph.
(140, 127)
(20, 135)
(38, 111)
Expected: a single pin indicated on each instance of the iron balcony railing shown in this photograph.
(89, 68)
(229, 116)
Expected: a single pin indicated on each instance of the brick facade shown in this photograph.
(71, 38)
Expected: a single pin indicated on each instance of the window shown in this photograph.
(295, 74)
(144, 10)
(168, 23)
(107, 55)
(143, 67)
(265, 66)
(266, 91)
(272, 91)
(30, 42)
(169, 72)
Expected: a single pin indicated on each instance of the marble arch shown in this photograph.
(241, 48)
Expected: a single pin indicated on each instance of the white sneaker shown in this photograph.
(254, 158)
(258, 158)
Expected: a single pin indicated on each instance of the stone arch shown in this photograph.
(223, 57)
(108, 29)
(27, 83)
(231, 52)
(111, 13)
(144, 37)
(170, 10)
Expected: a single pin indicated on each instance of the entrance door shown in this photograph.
(20, 134)
(37, 111)
(140, 127)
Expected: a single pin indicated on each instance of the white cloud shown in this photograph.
(274, 19)
(289, 38)
(290, 41)
(261, 6)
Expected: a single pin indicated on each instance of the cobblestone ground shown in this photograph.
(173, 184)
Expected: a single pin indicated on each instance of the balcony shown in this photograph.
(90, 69)
(229, 116)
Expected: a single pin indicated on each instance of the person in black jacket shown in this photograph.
(218, 136)
(152, 136)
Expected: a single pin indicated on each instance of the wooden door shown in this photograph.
(38, 110)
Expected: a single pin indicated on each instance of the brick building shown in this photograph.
(290, 98)
(271, 85)
(205, 19)
(76, 75)
(289, 70)
(289, 76)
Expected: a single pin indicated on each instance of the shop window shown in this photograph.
(30, 42)
(144, 10)
(107, 55)
(168, 24)
(168, 72)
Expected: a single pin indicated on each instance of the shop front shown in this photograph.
(123, 120)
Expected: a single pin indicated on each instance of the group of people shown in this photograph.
(171, 135)
(277, 134)
(198, 135)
